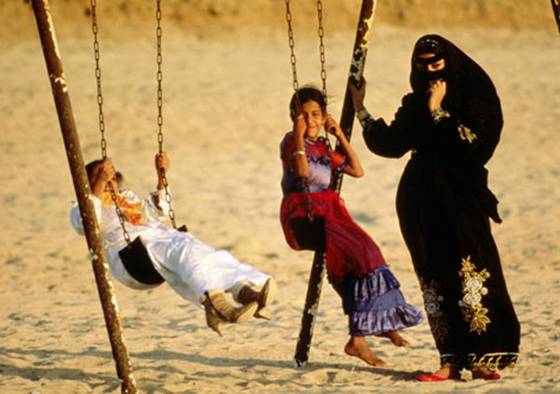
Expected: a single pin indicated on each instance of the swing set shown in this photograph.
(81, 184)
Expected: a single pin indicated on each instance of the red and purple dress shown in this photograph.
(355, 266)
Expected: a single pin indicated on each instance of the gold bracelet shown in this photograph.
(439, 114)
(298, 152)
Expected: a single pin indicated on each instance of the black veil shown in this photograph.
(464, 77)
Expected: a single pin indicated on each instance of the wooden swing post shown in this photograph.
(556, 10)
(346, 122)
(81, 187)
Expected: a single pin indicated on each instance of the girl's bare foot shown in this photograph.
(396, 338)
(358, 347)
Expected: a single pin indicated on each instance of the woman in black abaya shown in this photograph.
(451, 122)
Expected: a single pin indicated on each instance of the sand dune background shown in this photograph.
(227, 83)
(123, 19)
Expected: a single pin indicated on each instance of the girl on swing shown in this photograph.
(198, 272)
(314, 218)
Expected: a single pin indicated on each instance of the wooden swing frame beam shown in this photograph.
(317, 274)
(61, 97)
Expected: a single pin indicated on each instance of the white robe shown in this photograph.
(188, 265)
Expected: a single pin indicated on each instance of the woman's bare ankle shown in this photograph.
(484, 373)
(448, 372)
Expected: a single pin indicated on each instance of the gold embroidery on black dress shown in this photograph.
(492, 361)
(466, 134)
(432, 301)
(472, 309)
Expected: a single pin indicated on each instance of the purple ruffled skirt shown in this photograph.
(374, 303)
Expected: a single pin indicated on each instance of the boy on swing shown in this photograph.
(195, 270)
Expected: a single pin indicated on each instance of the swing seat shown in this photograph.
(138, 263)
(310, 234)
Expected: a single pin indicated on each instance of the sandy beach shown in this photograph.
(225, 111)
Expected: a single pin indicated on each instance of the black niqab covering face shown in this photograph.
(463, 75)
(420, 79)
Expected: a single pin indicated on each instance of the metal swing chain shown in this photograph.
(291, 43)
(322, 47)
(308, 206)
(119, 214)
(159, 77)
(97, 56)
(94, 29)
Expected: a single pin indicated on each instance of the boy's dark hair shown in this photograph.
(303, 95)
(90, 167)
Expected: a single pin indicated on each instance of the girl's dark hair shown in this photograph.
(303, 95)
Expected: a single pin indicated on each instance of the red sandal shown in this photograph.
(428, 377)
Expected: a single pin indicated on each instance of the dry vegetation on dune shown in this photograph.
(216, 17)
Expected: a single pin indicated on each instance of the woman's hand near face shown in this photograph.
(436, 94)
